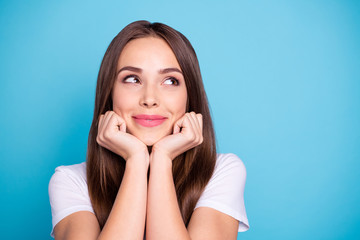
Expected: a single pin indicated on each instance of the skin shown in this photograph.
(145, 88)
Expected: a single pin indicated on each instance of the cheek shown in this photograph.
(122, 102)
(183, 100)
(177, 103)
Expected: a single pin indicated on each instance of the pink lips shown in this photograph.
(149, 120)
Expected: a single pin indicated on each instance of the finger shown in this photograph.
(195, 122)
(114, 123)
(195, 127)
(100, 123)
(176, 129)
(200, 121)
(100, 129)
(191, 121)
(120, 122)
(188, 127)
(103, 128)
(107, 117)
(101, 117)
(178, 125)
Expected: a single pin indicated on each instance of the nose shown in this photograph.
(149, 97)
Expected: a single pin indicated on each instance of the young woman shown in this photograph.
(152, 168)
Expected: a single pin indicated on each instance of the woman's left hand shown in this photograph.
(187, 134)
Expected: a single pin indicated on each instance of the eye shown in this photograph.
(171, 81)
(131, 79)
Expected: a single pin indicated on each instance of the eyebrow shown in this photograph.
(168, 70)
(139, 70)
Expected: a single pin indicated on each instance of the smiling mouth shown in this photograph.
(149, 120)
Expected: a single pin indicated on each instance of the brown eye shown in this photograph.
(171, 81)
(131, 79)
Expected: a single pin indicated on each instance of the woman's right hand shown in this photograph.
(112, 135)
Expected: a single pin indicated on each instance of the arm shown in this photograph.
(79, 225)
(207, 223)
(164, 219)
(127, 217)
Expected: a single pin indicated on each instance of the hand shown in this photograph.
(187, 133)
(112, 135)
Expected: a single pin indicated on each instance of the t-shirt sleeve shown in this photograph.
(225, 190)
(68, 194)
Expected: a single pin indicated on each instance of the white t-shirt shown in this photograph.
(68, 191)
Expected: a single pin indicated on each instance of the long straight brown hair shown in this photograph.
(192, 169)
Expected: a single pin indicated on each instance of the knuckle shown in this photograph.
(106, 136)
(191, 137)
(99, 139)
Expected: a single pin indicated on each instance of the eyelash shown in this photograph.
(174, 79)
(131, 76)
(176, 82)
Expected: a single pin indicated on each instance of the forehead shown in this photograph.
(146, 52)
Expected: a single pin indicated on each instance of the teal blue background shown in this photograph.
(283, 81)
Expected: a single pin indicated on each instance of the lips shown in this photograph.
(149, 120)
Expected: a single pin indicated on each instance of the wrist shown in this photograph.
(140, 159)
(160, 158)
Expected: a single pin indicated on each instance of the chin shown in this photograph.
(149, 140)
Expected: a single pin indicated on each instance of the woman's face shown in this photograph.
(149, 92)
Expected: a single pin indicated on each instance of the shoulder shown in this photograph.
(68, 192)
(229, 163)
(225, 189)
(229, 159)
(75, 170)
(69, 178)
(229, 176)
